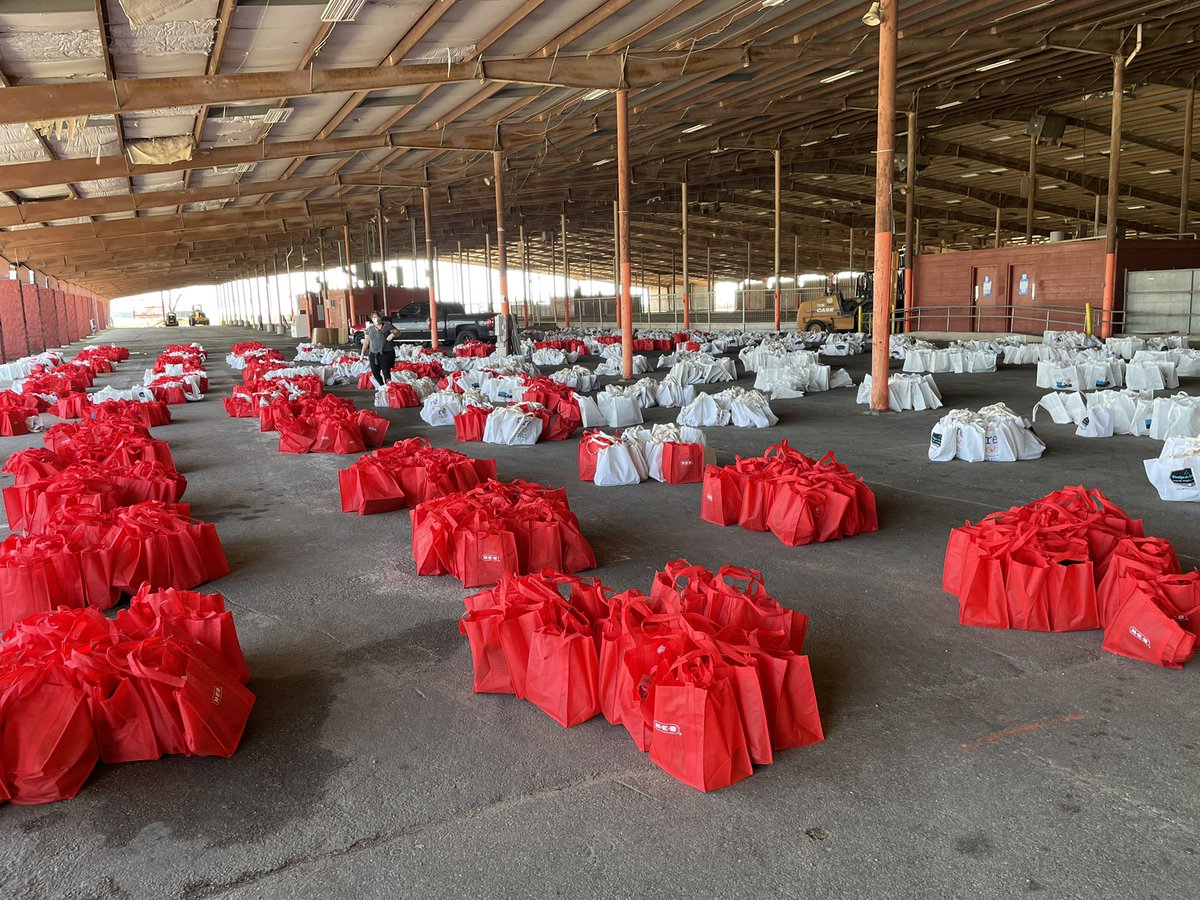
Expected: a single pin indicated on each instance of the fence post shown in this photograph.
(1087, 322)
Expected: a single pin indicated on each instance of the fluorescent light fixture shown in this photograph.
(949, 202)
(997, 171)
(1075, 156)
(995, 65)
(767, 4)
(277, 115)
(596, 94)
(342, 10)
(969, 175)
(1137, 206)
(1047, 187)
(694, 128)
(602, 162)
(1000, 137)
(949, 105)
(810, 143)
(846, 73)
(1160, 171)
(1043, 217)
(819, 177)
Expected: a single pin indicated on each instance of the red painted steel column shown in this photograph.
(433, 319)
(1114, 176)
(687, 297)
(626, 304)
(501, 250)
(885, 160)
(910, 185)
(778, 226)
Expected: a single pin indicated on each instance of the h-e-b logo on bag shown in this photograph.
(1141, 637)
(666, 727)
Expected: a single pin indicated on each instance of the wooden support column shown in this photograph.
(501, 249)
(885, 164)
(683, 235)
(778, 235)
(1031, 189)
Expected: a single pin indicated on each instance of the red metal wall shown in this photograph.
(12, 322)
(64, 322)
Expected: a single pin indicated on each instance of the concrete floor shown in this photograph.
(958, 762)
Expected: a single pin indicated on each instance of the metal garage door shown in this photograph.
(1164, 301)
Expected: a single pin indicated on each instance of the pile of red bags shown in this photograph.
(15, 412)
(470, 424)
(566, 346)
(76, 688)
(101, 358)
(499, 527)
(706, 673)
(799, 499)
(244, 353)
(474, 348)
(559, 402)
(400, 395)
(100, 503)
(1074, 561)
(329, 425)
(407, 474)
(149, 415)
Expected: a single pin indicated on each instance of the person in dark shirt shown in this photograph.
(378, 345)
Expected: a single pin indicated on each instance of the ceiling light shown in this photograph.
(277, 115)
(810, 143)
(342, 10)
(1043, 217)
(1138, 206)
(602, 162)
(1160, 171)
(1075, 156)
(695, 128)
(1001, 137)
(596, 94)
(819, 177)
(872, 17)
(948, 105)
(969, 175)
(845, 73)
(995, 65)
(1047, 187)
(767, 4)
(997, 171)
(954, 201)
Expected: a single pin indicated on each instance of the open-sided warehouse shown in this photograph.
(391, 563)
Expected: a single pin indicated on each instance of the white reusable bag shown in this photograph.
(1064, 408)
(590, 412)
(672, 393)
(1098, 423)
(440, 408)
(752, 410)
(512, 426)
(1175, 473)
(703, 411)
(619, 410)
(618, 464)
(943, 438)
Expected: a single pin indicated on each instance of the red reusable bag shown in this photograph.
(469, 424)
(372, 427)
(47, 747)
(721, 501)
(186, 614)
(401, 396)
(682, 463)
(1132, 560)
(562, 678)
(482, 628)
(757, 493)
(367, 488)
(481, 557)
(590, 446)
(297, 435)
(1143, 628)
(698, 735)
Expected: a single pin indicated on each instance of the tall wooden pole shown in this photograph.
(1185, 172)
(1114, 189)
(683, 233)
(433, 320)
(910, 193)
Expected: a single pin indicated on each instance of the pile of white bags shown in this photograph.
(137, 393)
(843, 344)
(1020, 354)
(1175, 472)
(516, 425)
(1145, 374)
(20, 368)
(735, 406)
(589, 412)
(637, 454)
(577, 378)
(1087, 372)
(994, 434)
(671, 392)
(618, 409)
(650, 442)
(550, 357)
(612, 365)
(1175, 416)
(953, 359)
(906, 391)
(1186, 362)
(900, 344)
(702, 368)
(421, 385)
(772, 354)
(1065, 407)
(790, 381)
(440, 407)
(1125, 346)
(1072, 340)
(643, 392)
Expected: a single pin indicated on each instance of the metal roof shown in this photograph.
(300, 123)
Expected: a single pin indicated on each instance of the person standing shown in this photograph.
(378, 344)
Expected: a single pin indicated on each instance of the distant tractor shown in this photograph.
(197, 317)
(171, 320)
(835, 311)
